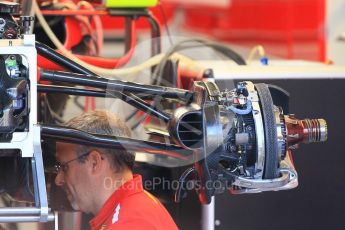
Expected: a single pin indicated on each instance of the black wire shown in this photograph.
(142, 105)
(181, 192)
(228, 52)
(130, 116)
(55, 116)
(77, 103)
(141, 119)
(166, 23)
(157, 74)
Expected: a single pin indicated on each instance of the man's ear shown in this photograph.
(96, 161)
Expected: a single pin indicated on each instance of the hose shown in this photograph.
(245, 111)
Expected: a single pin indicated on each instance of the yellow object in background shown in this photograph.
(130, 3)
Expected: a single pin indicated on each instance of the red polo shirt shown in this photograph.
(131, 207)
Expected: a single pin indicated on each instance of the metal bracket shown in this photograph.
(41, 199)
(41, 212)
(287, 180)
(265, 184)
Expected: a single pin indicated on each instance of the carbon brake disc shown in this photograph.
(271, 142)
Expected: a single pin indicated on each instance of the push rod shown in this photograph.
(76, 136)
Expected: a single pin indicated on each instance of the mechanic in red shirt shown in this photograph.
(100, 181)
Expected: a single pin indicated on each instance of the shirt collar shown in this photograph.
(127, 189)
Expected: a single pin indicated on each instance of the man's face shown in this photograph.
(73, 177)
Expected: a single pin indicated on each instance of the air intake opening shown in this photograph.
(189, 130)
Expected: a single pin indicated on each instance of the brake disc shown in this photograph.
(271, 142)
